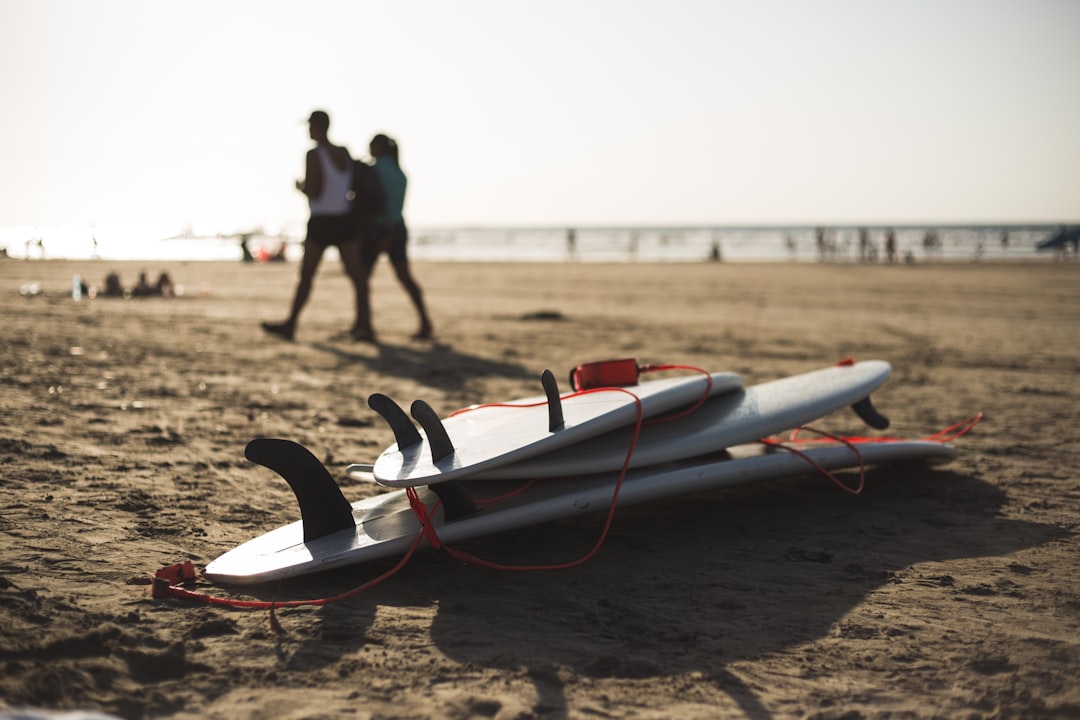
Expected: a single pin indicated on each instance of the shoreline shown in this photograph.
(653, 243)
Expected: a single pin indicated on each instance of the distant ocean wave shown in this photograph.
(530, 244)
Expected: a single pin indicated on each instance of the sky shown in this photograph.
(553, 113)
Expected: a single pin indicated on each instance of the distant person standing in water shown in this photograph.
(327, 183)
(390, 236)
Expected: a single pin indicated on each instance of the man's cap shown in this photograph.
(319, 117)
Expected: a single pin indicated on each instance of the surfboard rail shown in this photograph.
(489, 436)
(386, 525)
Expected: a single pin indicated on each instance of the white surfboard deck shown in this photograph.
(725, 420)
(489, 437)
(387, 527)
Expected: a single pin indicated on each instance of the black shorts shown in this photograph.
(391, 238)
(327, 230)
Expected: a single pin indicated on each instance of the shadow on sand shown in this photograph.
(688, 585)
(437, 365)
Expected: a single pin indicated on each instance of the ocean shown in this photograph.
(533, 244)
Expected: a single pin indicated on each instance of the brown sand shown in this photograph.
(944, 592)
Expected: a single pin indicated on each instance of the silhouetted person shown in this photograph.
(890, 245)
(113, 286)
(390, 235)
(162, 288)
(716, 253)
(931, 243)
(328, 184)
(143, 287)
(571, 244)
(245, 250)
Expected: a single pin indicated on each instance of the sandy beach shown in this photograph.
(947, 591)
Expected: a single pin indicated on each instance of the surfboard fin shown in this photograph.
(555, 413)
(869, 414)
(455, 501)
(405, 433)
(438, 438)
(323, 509)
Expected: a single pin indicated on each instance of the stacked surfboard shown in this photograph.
(497, 467)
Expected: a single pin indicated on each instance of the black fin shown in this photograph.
(551, 389)
(405, 433)
(323, 509)
(456, 502)
(869, 414)
(437, 436)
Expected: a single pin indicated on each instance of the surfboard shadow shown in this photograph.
(698, 583)
(688, 586)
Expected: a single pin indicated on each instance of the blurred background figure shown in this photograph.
(327, 184)
(391, 236)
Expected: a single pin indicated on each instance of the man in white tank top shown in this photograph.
(328, 184)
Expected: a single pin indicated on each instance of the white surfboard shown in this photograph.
(727, 419)
(489, 437)
(385, 526)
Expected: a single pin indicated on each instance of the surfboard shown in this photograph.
(487, 437)
(726, 419)
(385, 525)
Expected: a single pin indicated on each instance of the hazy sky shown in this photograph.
(546, 113)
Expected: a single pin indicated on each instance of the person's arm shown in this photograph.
(312, 183)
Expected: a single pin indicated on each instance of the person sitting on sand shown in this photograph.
(113, 286)
(143, 287)
(164, 286)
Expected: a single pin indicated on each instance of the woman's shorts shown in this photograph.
(392, 239)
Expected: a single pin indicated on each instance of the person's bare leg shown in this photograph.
(308, 266)
(352, 259)
(405, 277)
